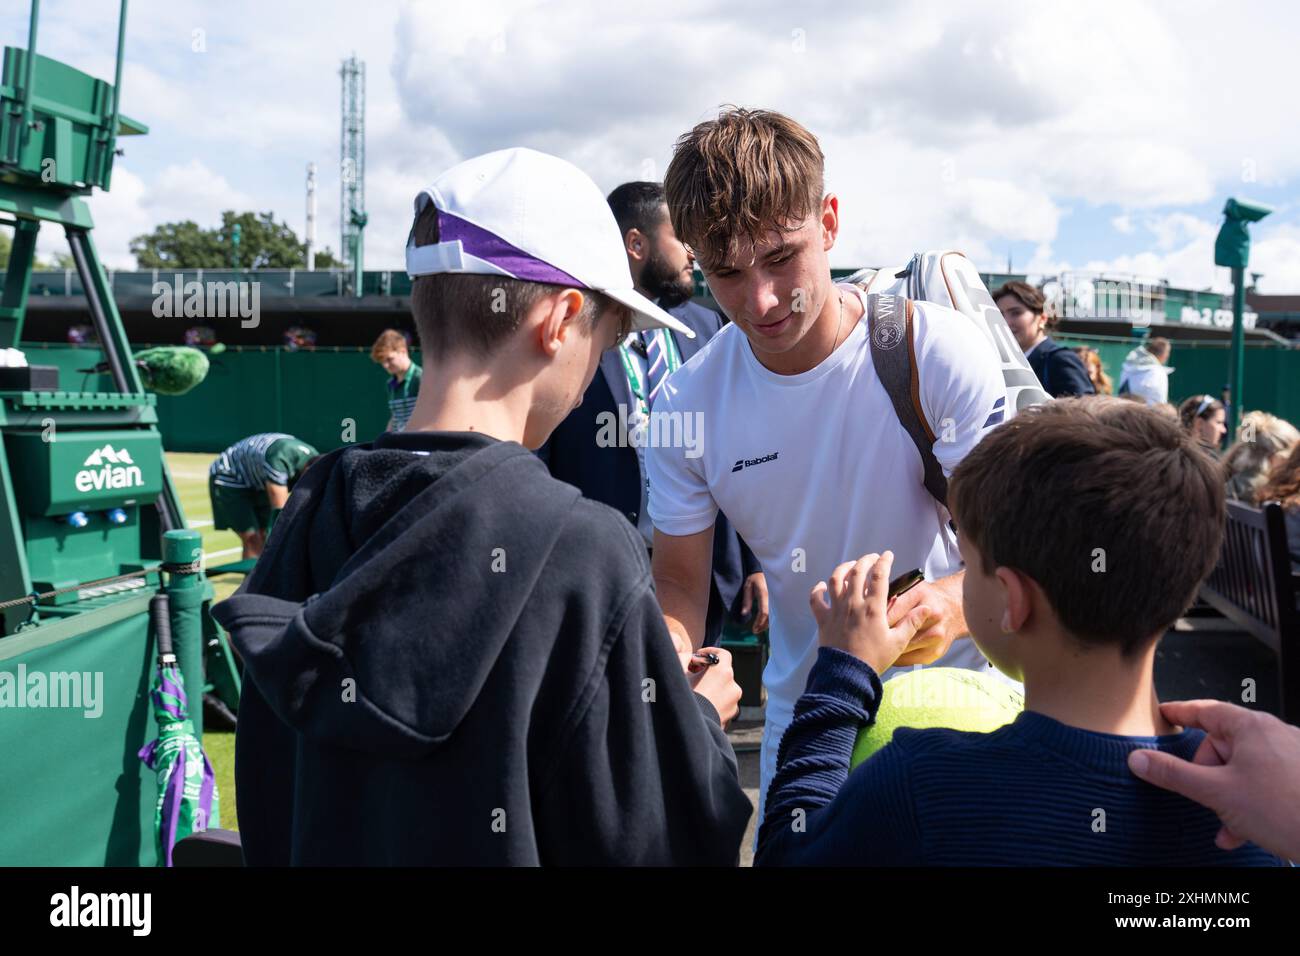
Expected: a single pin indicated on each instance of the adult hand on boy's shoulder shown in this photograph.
(945, 622)
(851, 612)
(1247, 770)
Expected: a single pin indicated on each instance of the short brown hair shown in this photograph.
(457, 312)
(1158, 346)
(390, 340)
(1031, 298)
(740, 176)
(1069, 483)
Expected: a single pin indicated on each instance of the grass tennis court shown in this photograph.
(190, 473)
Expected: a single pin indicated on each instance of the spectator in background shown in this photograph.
(1091, 359)
(1202, 416)
(1263, 441)
(298, 337)
(391, 353)
(1283, 484)
(630, 376)
(1060, 371)
(1145, 372)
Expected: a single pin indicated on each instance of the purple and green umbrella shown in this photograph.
(187, 788)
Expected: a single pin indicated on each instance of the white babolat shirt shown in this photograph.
(815, 469)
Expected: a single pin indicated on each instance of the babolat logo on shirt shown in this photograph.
(108, 468)
(751, 462)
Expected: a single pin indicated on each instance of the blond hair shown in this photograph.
(1247, 461)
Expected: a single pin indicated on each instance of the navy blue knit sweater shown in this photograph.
(1034, 793)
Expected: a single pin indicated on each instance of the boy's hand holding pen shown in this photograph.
(701, 660)
(710, 675)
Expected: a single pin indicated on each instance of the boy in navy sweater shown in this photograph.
(1086, 527)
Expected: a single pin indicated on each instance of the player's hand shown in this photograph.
(945, 622)
(850, 611)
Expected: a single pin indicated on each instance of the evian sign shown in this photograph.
(106, 468)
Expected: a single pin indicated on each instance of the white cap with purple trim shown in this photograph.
(532, 216)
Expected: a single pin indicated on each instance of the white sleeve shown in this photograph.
(963, 393)
(679, 499)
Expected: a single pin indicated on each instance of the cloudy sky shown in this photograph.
(1062, 135)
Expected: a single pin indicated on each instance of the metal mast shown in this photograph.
(311, 217)
(352, 165)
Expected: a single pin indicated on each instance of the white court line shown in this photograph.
(199, 524)
(209, 555)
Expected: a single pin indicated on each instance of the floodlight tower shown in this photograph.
(310, 232)
(352, 166)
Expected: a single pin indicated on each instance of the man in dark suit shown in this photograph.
(629, 378)
(1058, 368)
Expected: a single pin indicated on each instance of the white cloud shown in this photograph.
(1183, 255)
(1012, 211)
(944, 124)
(1276, 255)
(133, 207)
(1179, 229)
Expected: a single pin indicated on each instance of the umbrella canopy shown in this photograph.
(187, 787)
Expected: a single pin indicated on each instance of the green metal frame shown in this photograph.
(53, 150)
(58, 135)
(58, 138)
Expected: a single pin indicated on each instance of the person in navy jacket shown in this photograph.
(1060, 371)
(628, 379)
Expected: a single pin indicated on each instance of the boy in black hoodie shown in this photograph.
(450, 657)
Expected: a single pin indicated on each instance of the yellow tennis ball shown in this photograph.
(939, 697)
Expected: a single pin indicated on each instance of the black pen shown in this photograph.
(701, 660)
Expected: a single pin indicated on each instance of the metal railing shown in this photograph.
(296, 283)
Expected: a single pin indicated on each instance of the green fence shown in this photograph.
(326, 397)
(1271, 382)
(330, 396)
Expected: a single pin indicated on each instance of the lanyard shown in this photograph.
(634, 378)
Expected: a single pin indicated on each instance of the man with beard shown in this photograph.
(631, 376)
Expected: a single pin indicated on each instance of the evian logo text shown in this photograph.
(107, 468)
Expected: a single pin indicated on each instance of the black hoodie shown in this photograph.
(452, 658)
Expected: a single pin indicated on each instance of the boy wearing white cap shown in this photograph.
(451, 657)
